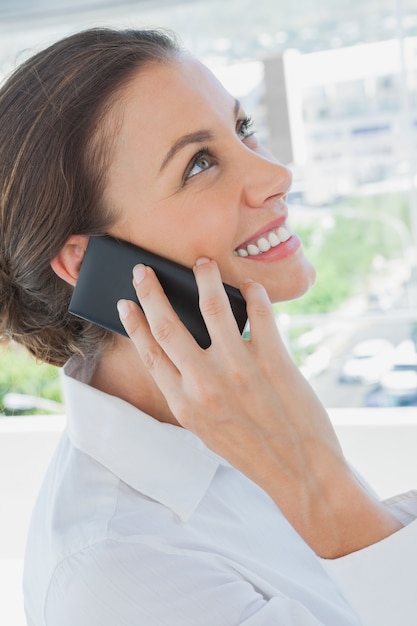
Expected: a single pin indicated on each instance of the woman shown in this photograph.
(191, 487)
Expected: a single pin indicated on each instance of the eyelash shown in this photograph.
(246, 123)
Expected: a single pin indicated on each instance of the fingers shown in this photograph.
(151, 353)
(161, 330)
(161, 337)
(214, 303)
(263, 328)
(222, 327)
(168, 331)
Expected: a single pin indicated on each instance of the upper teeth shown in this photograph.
(265, 243)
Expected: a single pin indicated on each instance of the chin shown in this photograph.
(296, 284)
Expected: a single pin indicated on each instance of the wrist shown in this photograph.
(332, 510)
(359, 519)
(344, 516)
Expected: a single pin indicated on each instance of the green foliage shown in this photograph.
(342, 247)
(344, 252)
(391, 205)
(20, 373)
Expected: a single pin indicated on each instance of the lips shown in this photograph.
(271, 238)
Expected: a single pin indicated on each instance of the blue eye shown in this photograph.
(202, 161)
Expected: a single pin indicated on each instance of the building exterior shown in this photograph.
(350, 116)
(343, 118)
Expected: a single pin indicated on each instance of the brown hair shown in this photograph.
(52, 164)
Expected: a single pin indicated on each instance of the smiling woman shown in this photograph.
(188, 178)
(191, 487)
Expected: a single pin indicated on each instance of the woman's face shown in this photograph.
(189, 179)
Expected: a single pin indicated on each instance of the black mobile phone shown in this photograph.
(106, 277)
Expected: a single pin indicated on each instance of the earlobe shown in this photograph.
(68, 261)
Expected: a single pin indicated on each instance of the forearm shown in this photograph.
(331, 509)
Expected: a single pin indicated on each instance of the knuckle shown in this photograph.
(162, 330)
(258, 301)
(151, 358)
(211, 306)
(143, 290)
(261, 309)
(132, 328)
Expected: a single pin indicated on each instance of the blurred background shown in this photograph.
(333, 90)
(332, 87)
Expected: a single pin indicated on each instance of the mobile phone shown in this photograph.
(106, 277)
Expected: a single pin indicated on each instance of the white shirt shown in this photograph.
(139, 524)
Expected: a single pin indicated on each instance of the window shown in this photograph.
(347, 127)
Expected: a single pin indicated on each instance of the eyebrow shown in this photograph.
(199, 136)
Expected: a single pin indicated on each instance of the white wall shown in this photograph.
(381, 443)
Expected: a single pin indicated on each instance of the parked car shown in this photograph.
(368, 362)
(379, 397)
(400, 381)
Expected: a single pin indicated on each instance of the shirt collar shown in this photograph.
(164, 462)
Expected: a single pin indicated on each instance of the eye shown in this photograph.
(203, 160)
(245, 128)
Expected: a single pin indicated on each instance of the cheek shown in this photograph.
(183, 238)
(206, 237)
(200, 223)
(206, 226)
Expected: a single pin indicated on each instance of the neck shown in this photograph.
(121, 373)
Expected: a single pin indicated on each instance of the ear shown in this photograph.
(68, 261)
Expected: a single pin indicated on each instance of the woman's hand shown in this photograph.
(249, 403)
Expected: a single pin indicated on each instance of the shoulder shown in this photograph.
(147, 581)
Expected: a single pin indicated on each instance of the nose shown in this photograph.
(265, 179)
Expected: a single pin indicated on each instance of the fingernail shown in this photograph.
(202, 260)
(123, 306)
(139, 273)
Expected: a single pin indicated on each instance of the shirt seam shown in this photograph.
(106, 537)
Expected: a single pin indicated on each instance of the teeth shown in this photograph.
(273, 239)
(253, 250)
(283, 234)
(263, 244)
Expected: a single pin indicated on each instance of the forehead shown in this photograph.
(170, 98)
(161, 103)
